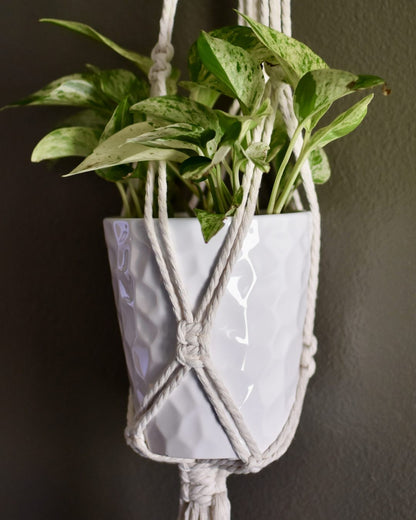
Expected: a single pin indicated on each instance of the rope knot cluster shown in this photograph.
(201, 482)
(162, 55)
(190, 348)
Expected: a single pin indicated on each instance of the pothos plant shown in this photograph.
(119, 128)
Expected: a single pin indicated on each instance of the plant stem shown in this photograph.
(136, 202)
(230, 173)
(221, 195)
(272, 202)
(235, 177)
(126, 205)
(290, 182)
(187, 183)
(213, 191)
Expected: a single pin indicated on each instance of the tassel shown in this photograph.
(203, 493)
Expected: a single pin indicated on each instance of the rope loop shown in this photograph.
(191, 348)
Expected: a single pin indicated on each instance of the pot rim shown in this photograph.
(296, 214)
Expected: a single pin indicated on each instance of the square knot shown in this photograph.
(161, 56)
(202, 484)
(190, 344)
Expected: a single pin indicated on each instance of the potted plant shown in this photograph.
(207, 154)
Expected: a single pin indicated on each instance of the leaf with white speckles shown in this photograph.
(66, 142)
(143, 62)
(177, 136)
(179, 109)
(318, 89)
(234, 67)
(118, 84)
(243, 37)
(342, 125)
(77, 90)
(118, 150)
(120, 118)
(211, 223)
(319, 164)
(293, 56)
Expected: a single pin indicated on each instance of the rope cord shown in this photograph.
(203, 489)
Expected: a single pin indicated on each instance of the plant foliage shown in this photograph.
(118, 128)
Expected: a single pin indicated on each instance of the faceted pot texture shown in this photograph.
(256, 339)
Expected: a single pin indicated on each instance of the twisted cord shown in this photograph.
(249, 8)
(151, 233)
(264, 12)
(241, 9)
(286, 17)
(226, 255)
(163, 51)
(170, 255)
(275, 15)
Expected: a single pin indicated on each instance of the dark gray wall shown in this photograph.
(63, 383)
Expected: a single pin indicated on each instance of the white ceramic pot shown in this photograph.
(256, 341)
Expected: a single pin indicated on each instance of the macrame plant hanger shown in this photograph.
(203, 482)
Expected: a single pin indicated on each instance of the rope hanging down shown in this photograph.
(203, 484)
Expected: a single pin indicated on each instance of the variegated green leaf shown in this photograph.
(118, 84)
(342, 125)
(204, 95)
(143, 62)
(257, 153)
(242, 37)
(211, 223)
(311, 122)
(178, 136)
(319, 164)
(201, 76)
(66, 142)
(235, 127)
(245, 38)
(195, 167)
(178, 109)
(318, 89)
(293, 56)
(75, 90)
(120, 118)
(235, 68)
(279, 138)
(118, 150)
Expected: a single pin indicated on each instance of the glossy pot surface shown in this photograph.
(256, 340)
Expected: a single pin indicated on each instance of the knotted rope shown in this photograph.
(203, 483)
(203, 492)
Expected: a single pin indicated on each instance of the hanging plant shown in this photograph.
(218, 371)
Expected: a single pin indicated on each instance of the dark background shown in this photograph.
(63, 382)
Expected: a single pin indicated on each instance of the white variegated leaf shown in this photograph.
(235, 68)
(293, 56)
(66, 142)
(118, 150)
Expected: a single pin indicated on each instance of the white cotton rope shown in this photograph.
(203, 483)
